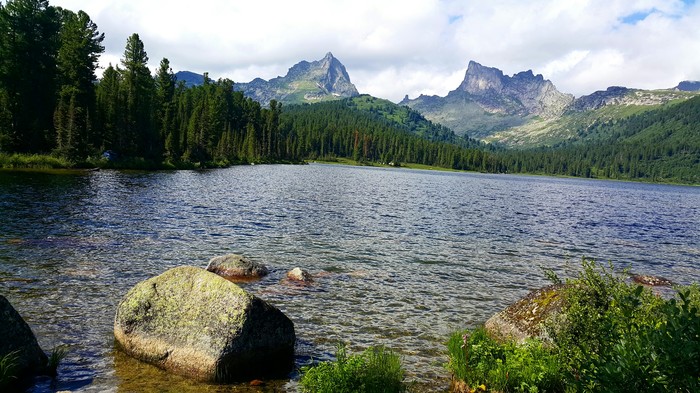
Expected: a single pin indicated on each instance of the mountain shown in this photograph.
(688, 86)
(488, 101)
(190, 78)
(526, 110)
(611, 105)
(305, 82)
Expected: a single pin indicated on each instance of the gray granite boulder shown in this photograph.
(195, 323)
(18, 345)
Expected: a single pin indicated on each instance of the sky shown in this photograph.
(393, 48)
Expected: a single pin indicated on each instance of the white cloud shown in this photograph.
(392, 48)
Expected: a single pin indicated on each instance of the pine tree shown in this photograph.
(81, 45)
(140, 135)
(165, 108)
(28, 47)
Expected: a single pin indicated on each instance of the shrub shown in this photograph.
(377, 369)
(479, 360)
(612, 336)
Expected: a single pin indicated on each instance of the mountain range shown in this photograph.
(523, 110)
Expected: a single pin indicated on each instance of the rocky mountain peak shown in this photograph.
(523, 94)
(314, 81)
(480, 79)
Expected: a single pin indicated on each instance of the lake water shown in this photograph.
(401, 257)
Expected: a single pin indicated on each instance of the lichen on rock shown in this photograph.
(526, 318)
(195, 323)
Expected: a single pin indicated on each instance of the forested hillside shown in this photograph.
(340, 129)
(658, 145)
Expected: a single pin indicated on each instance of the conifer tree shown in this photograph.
(80, 47)
(28, 46)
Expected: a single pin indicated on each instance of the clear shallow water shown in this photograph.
(402, 257)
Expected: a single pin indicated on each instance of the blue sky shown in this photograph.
(392, 47)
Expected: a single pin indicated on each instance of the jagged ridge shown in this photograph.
(320, 80)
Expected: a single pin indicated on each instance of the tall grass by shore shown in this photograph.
(33, 161)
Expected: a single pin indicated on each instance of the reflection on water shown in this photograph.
(401, 257)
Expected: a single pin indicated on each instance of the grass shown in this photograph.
(8, 368)
(376, 370)
(33, 161)
(611, 336)
(55, 358)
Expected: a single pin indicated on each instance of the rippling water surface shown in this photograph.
(402, 257)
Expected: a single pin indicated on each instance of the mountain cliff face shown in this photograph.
(488, 101)
(688, 86)
(320, 80)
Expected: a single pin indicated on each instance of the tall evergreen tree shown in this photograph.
(141, 137)
(110, 110)
(28, 46)
(81, 45)
(165, 108)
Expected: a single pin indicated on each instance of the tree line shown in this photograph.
(51, 102)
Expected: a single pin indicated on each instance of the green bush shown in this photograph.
(612, 336)
(377, 369)
(479, 360)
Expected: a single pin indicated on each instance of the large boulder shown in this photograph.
(236, 267)
(18, 346)
(195, 323)
(526, 318)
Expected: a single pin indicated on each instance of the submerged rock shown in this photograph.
(18, 345)
(525, 318)
(195, 323)
(299, 275)
(651, 281)
(234, 266)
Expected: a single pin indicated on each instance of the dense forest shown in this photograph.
(51, 102)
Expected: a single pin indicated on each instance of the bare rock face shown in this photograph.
(195, 323)
(305, 82)
(525, 318)
(19, 345)
(299, 275)
(236, 267)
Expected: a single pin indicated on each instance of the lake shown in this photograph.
(401, 257)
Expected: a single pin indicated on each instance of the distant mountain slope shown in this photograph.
(305, 82)
(658, 145)
(404, 117)
(488, 101)
(190, 78)
(688, 86)
(611, 105)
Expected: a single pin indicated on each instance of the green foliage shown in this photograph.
(8, 368)
(33, 161)
(478, 360)
(612, 336)
(55, 358)
(377, 369)
(621, 337)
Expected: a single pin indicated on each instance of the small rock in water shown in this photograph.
(234, 267)
(300, 275)
(652, 281)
